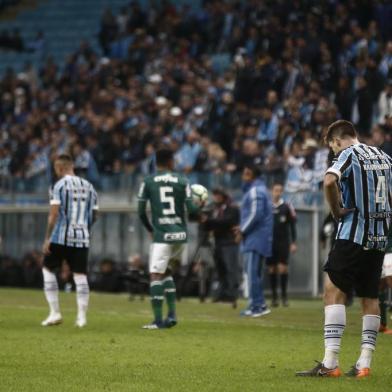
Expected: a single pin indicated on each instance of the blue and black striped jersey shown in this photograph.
(365, 177)
(77, 199)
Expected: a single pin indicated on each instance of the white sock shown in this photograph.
(334, 324)
(51, 290)
(82, 293)
(370, 327)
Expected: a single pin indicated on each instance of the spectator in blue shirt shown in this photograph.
(269, 126)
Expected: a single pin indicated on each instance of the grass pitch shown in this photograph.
(212, 348)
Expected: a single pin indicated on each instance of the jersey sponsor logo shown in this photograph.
(175, 236)
(380, 215)
(377, 238)
(170, 221)
(166, 178)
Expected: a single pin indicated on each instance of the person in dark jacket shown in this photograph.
(221, 221)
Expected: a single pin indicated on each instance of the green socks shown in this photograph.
(169, 289)
(383, 307)
(156, 291)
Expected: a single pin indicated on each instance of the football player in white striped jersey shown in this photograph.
(73, 210)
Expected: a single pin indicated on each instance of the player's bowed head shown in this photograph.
(340, 135)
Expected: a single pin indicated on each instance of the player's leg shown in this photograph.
(273, 276)
(256, 289)
(247, 291)
(283, 275)
(158, 263)
(170, 293)
(230, 256)
(383, 305)
(220, 272)
(77, 259)
(386, 282)
(367, 289)
(51, 289)
(82, 298)
(178, 254)
(341, 267)
(370, 327)
(334, 324)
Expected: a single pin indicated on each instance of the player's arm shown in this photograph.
(257, 211)
(332, 194)
(52, 219)
(142, 212)
(293, 228)
(334, 174)
(55, 202)
(95, 216)
(142, 207)
(95, 207)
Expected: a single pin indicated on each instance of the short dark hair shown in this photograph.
(220, 191)
(340, 128)
(164, 156)
(65, 158)
(254, 169)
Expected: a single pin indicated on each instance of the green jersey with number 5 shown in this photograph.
(170, 196)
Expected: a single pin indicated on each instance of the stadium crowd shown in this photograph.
(225, 84)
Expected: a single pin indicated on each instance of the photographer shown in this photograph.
(223, 217)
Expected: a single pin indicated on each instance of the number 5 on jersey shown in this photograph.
(166, 196)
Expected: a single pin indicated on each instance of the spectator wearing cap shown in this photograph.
(221, 221)
(255, 230)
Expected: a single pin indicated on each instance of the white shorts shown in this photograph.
(387, 266)
(162, 254)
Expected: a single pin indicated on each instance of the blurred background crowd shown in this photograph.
(224, 84)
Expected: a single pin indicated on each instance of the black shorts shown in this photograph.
(75, 257)
(280, 255)
(351, 267)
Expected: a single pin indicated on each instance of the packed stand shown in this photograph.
(225, 84)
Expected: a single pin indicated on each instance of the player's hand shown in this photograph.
(46, 247)
(341, 212)
(202, 204)
(237, 234)
(203, 218)
(293, 248)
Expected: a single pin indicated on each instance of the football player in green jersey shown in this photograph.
(169, 195)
